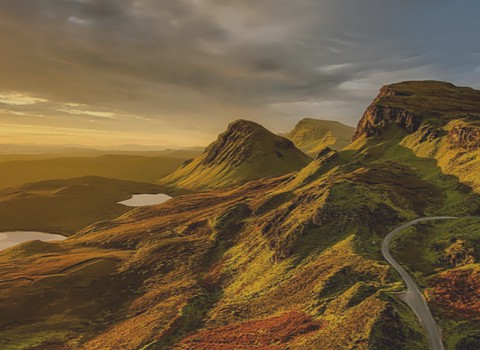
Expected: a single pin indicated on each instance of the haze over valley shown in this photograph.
(208, 175)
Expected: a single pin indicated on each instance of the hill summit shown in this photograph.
(313, 135)
(245, 151)
(411, 104)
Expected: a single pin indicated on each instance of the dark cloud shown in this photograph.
(201, 63)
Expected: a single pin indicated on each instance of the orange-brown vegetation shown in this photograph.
(457, 292)
(273, 333)
(287, 262)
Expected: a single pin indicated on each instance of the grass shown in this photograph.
(424, 250)
(66, 206)
(313, 135)
(245, 152)
(124, 167)
(246, 266)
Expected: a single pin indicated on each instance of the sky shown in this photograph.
(174, 73)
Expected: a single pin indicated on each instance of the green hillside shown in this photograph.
(66, 206)
(245, 152)
(287, 262)
(313, 135)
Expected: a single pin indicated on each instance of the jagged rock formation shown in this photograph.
(465, 136)
(283, 262)
(408, 105)
(246, 151)
(377, 118)
(312, 135)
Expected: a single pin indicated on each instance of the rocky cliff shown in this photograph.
(410, 104)
(466, 136)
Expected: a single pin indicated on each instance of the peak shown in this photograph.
(319, 121)
(410, 104)
(245, 151)
(312, 135)
(417, 87)
(245, 125)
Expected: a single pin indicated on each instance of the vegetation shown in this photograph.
(447, 265)
(124, 167)
(313, 135)
(66, 206)
(283, 262)
(245, 152)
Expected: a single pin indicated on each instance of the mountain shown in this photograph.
(246, 151)
(313, 135)
(287, 262)
(66, 206)
(441, 121)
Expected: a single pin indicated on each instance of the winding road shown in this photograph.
(413, 296)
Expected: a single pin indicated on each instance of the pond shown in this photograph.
(141, 200)
(9, 239)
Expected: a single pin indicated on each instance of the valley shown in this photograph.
(263, 246)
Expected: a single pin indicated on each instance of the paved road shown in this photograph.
(413, 296)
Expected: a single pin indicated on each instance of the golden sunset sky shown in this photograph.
(175, 73)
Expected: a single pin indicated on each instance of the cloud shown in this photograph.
(19, 99)
(145, 64)
(106, 115)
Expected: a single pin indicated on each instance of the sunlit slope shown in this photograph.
(245, 152)
(65, 206)
(291, 262)
(440, 120)
(125, 167)
(445, 258)
(257, 265)
(313, 135)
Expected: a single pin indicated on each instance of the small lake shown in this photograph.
(9, 239)
(141, 200)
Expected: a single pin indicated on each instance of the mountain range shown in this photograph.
(273, 249)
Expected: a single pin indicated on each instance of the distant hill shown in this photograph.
(125, 167)
(246, 151)
(313, 135)
(66, 206)
(287, 262)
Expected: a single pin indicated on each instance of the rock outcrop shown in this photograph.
(413, 104)
(465, 136)
(377, 118)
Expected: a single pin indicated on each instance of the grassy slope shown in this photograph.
(313, 135)
(424, 250)
(298, 247)
(437, 102)
(125, 167)
(66, 206)
(443, 260)
(235, 265)
(258, 152)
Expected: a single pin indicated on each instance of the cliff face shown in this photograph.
(376, 119)
(415, 104)
(465, 136)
